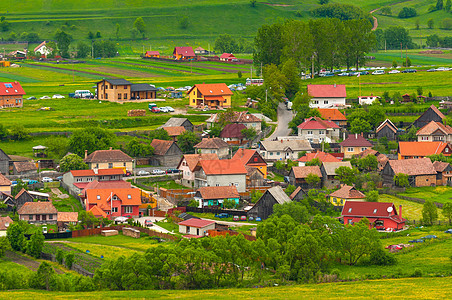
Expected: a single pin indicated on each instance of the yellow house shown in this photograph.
(109, 159)
(212, 95)
(354, 144)
(155, 54)
(345, 193)
(184, 53)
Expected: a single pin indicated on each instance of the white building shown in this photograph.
(327, 95)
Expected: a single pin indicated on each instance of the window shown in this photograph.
(236, 184)
(124, 164)
(315, 102)
(30, 217)
(350, 210)
(321, 132)
(125, 96)
(8, 85)
(110, 165)
(309, 131)
(106, 96)
(125, 87)
(79, 179)
(129, 196)
(97, 166)
(334, 199)
(375, 211)
(115, 197)
(363, 149)
(255, 159)
(425, 138)
(128, 209)
(271, 153)
(111, 86)
(325, 102)
(114, 209)
(50, 217)
(379, 223)
(217, 184)
(106, 86)
(350, 149)
(119, 96)
(278, 153)
(446, 150)
(98, 197)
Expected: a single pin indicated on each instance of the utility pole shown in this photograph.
(385, 45)
(92, 49)
(401, 50)
(406, 55)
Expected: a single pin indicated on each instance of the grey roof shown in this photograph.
(278, 193)
(330, 167)
(139, 87)
(172, 122)
(118, 81)
(294, 145)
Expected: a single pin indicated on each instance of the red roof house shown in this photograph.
(11, 94)
(184, 53)
(114, 202)
(333, 114)
(381, 215)
(354, 144)
(409, 150)
(152, 54)
(221, 173)
(317, 130)
(228, 57)
(195, 227)
(232, 134)
(252, 158)
(322, 156)
(327, 95)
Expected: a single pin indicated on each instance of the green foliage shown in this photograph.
(184, 22)
(86, 220)
(187, 140)
(296, 210)
(275, 82)
(446, 24)
(43, 277)
(4, 25)
(407, 12)
(59, 256)
(249, 133)
(396, 35)
(90, 139)
(290, 189)
(239, 74)
(447, 211)
(229, 203)
(290, 71)
(380, 257)
(35, 245)
(359, 125)
(69, 259)
(19, 186)
(430, 25)
(19, 133)
(139, 25)
(4, 245)
(386, 10)
(104, 48)
(439, 4)
(57, 146)
(314, 162)
(160, 134)
(429, 213)
(342, 12)
(83, 50)
(410, 135)
(253, 3)
(72, 162)
(346, 175)
(135, 148)
(268, 44)
(303, 112)
(63, 41)
(372, 196)
(193, 203)
(15, 235)
(401, 180)
(225, 44)
(255, 195)
(368, 163)
(313, 179)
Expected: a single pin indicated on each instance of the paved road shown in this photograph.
(284, 117)
(154, 227)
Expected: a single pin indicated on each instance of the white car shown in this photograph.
(47, 179)
(143, 173)
(442, 69)
(170, 109)
(378, 72)
(44, 98)
(394, 72)
(158, 172)
(57, 96)
(163, 109)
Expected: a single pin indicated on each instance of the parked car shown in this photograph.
(258, 219)
(47, 179)
(143, 173)
(343, 74)
(157, 172)
(416, 241)
(57, 96)
(286, 179)
(128, 173)
(148, 223)
(378, 72)
(59, 178)
(448, 231)
(428, 237)
(243, 218)
(409, 71)
(442, 69)
(236, 218)
(44, 98)
(155, 109)
(172, 171)
(431, 70)
(222, 215)
(31, 98)
(394, 72)
(364, 73)
(163, 109)
(32, 182)
(269, 181)
(170, 109)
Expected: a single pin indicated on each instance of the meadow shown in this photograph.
(441, 194)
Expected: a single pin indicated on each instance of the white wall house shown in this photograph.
(327, 95)
(367, 100)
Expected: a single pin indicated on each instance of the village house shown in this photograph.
(195, 228)
(264, 206)
(232, 134)
(221, 173)
(109, 159)
(443, 173)
(38, 212)
(213, 146)
(408, 150)
(22, 197)
(327, 95)
(77, 180)
(118, 90)
(345, 193)
(177, 122)
(8, 200)
(298, 194)
(11, 94)
(216, 195)
(211, 95)
(420, 171)
(5, 184)
(188, 163)
(24, 168)
(431, 114)
(166, 153)
(333, 115)
(252, 158)
(321, 156)
(367, 100)
(42, 49)
(284, 149)
(317, 130)
(435, 132)
(298, 175)
(239, 117)
(254, 177)
(184, 53)
(153, 54)
(99, 185)
(174, 131)
(64, 219)
(328, 170)
(5, 161)
(381, 215)
(201, 51)
(114, 202)
(381, 158)
(387, 129)
(354, 144)
(228, 57)
(4, 224)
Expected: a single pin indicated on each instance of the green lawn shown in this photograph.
(170, 226)
(442, 194)
(170, 184)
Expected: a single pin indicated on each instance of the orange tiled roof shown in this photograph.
(348, 192)
(421, 149)
(245, 155)
(322, 156)
(161, 146)
(193, 159)
(332, 114)
(218, 192)
(4, 180)
(67, 216)
(100, 156)
(32, 208)
(212, 89)
(223, 167)
(303, 172)
(101, 197)
(175, 130)
(97, 212)
(85, 173)
(432, 127)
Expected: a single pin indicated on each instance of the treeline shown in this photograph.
(394, 37)
(435, 41)
(327, 43)
(342, 12)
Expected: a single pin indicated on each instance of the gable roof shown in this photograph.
(355, 140)
(278, 194)
(161, 146)
(348, 192)
(5, 222)
(432, 127)
(33, 208)
(371, 210)
(184, 51)
(322, 156)
(233, 130)
(227, 55)
(421, 148)
(23, 166)
(97, 212)
(67, 216)
(139, 87)
(4, 181)
(128, 196)
(197, 223)
(245, 156)
(317, 123)
(100, 172)
(440, 166)
(332, 114)
(152, 53)
(282, 145)
(193, 159)
(327, 90)
(39, 46)
(175, 130)
(387, 123)
(212, 89)
(330, 167)
(237, 117)
(222, 167)
(111, 155)
(211, 143)
(176, 122)
(413, 167)
(303, 172)
(108, 184)
(200, 49)
(11, 88)
(118, 81)
(23, 191)
(218, 192)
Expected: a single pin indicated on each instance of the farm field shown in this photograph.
(410, 210)
(442, 194)
(423, 288)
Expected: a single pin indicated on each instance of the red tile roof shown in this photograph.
(100, 172)
(233, 130)
(440, 166)
(348, 192)
(223, 167)
(197, 223)
(413, 167)
(161, 146)
(355, 140)
(322, 156)
(211, 143)
(97, 212)
(421, 149)
(193, 159)
(317, 123)
(218, 192)
(245, 155)
(101, 156)
(33, 208)
(11, 88)
(4, 181)
(371, 209)
(5, 222)
(227, 55)
(109, 184)
(184, 51)
(67, 216)
(212, 89)
(39, 46)
(130, 196)
(331, 114)
(175, 130)
(303, 172)
(152, 53)
(432, 127)
(24, 166)
(327, 90)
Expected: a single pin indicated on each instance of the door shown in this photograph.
(44, 217)
(38, 217)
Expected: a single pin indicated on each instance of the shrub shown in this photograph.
(381, 258)
(69, 260)
(407, 12)
(60, 256)
(417, 273)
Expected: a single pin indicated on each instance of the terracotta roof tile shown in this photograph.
(212, 89)
(130, 196)
(371, 210)
(218, 192)
(193, 159)
(175, 130)
(101, 156)
(11, 89)
(24, 166)
(348, 192)
(332, 114)
(355, 140)
(161, 146)
(237, 117)
(330, 167)
(67, 216)
(32, 208)
(303, 172)
(97, 212)
(322, 156)
(100, 172)
(413, 167)
(222, 167)
(421, 148)
(5, 222)
(211, 143)
(245, 156)
(152, 53)
(327, 90)
(432, 127)
(185, 51)
(197, 223)
(440, 166)
(4, 181)
(317, 123)
(233, 131)
(282, 145)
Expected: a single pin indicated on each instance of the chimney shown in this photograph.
(96, 171)
(111, 148)
(356, 136)
(400, 210)
(334, 85)
(86, 154)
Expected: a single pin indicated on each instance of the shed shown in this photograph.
(264, 206)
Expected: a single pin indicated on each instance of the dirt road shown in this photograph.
(25, 261)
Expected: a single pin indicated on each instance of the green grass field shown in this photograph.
(442, 194)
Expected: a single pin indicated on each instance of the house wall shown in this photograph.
(12, 101)
(387, 223)
(262, 168)
(196, 231)
(109, 92)
(238, 180)
(326, 102)
(168, 161)
(329, 182)
(425, 180)
(5, 188)
(25, 197)
(116, 165)
(263, 208)
(386, 132)
(49, 218)
(350, 151)
(319, 135)
(255, 125)
(223, 153)
(4, 163)
(196, 98)
(279, 155)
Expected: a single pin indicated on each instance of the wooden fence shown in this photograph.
(214, 233)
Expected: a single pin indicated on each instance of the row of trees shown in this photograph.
(226, 43)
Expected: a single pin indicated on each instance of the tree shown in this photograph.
(72, 162)
(83, 50)
(90, 35)
(369, 163)
(19, 133)
(401, 180)
(90, 139)
(187, 140)
(184, 22)
(104, 49)
(430, 23)
(249, 133)
(15, 235)
(225, 44)
(296, 210)
(396, 35)
(429, 213)
(439, 4)
(416, 24)
(135, 148)
(275, 82)
(87, 219)
(63, 41)
(268, 45)
(290, 189)
(386, 10)
(447, 211)
(253, 3)
(322, 2)
(118, 28)
(229, 203)
(35, 245)
(4, 245)
(140, 25)
(298, 43)
(4, 132)
(42, 278)
(448, 6)
(312, 179)
(57, 147)
(290, 71)
(359, 125)
(159, 134)
(346, 175)
(407, 12)
(372, 196)
(314, 162)
(447, 23)
(19, 186)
